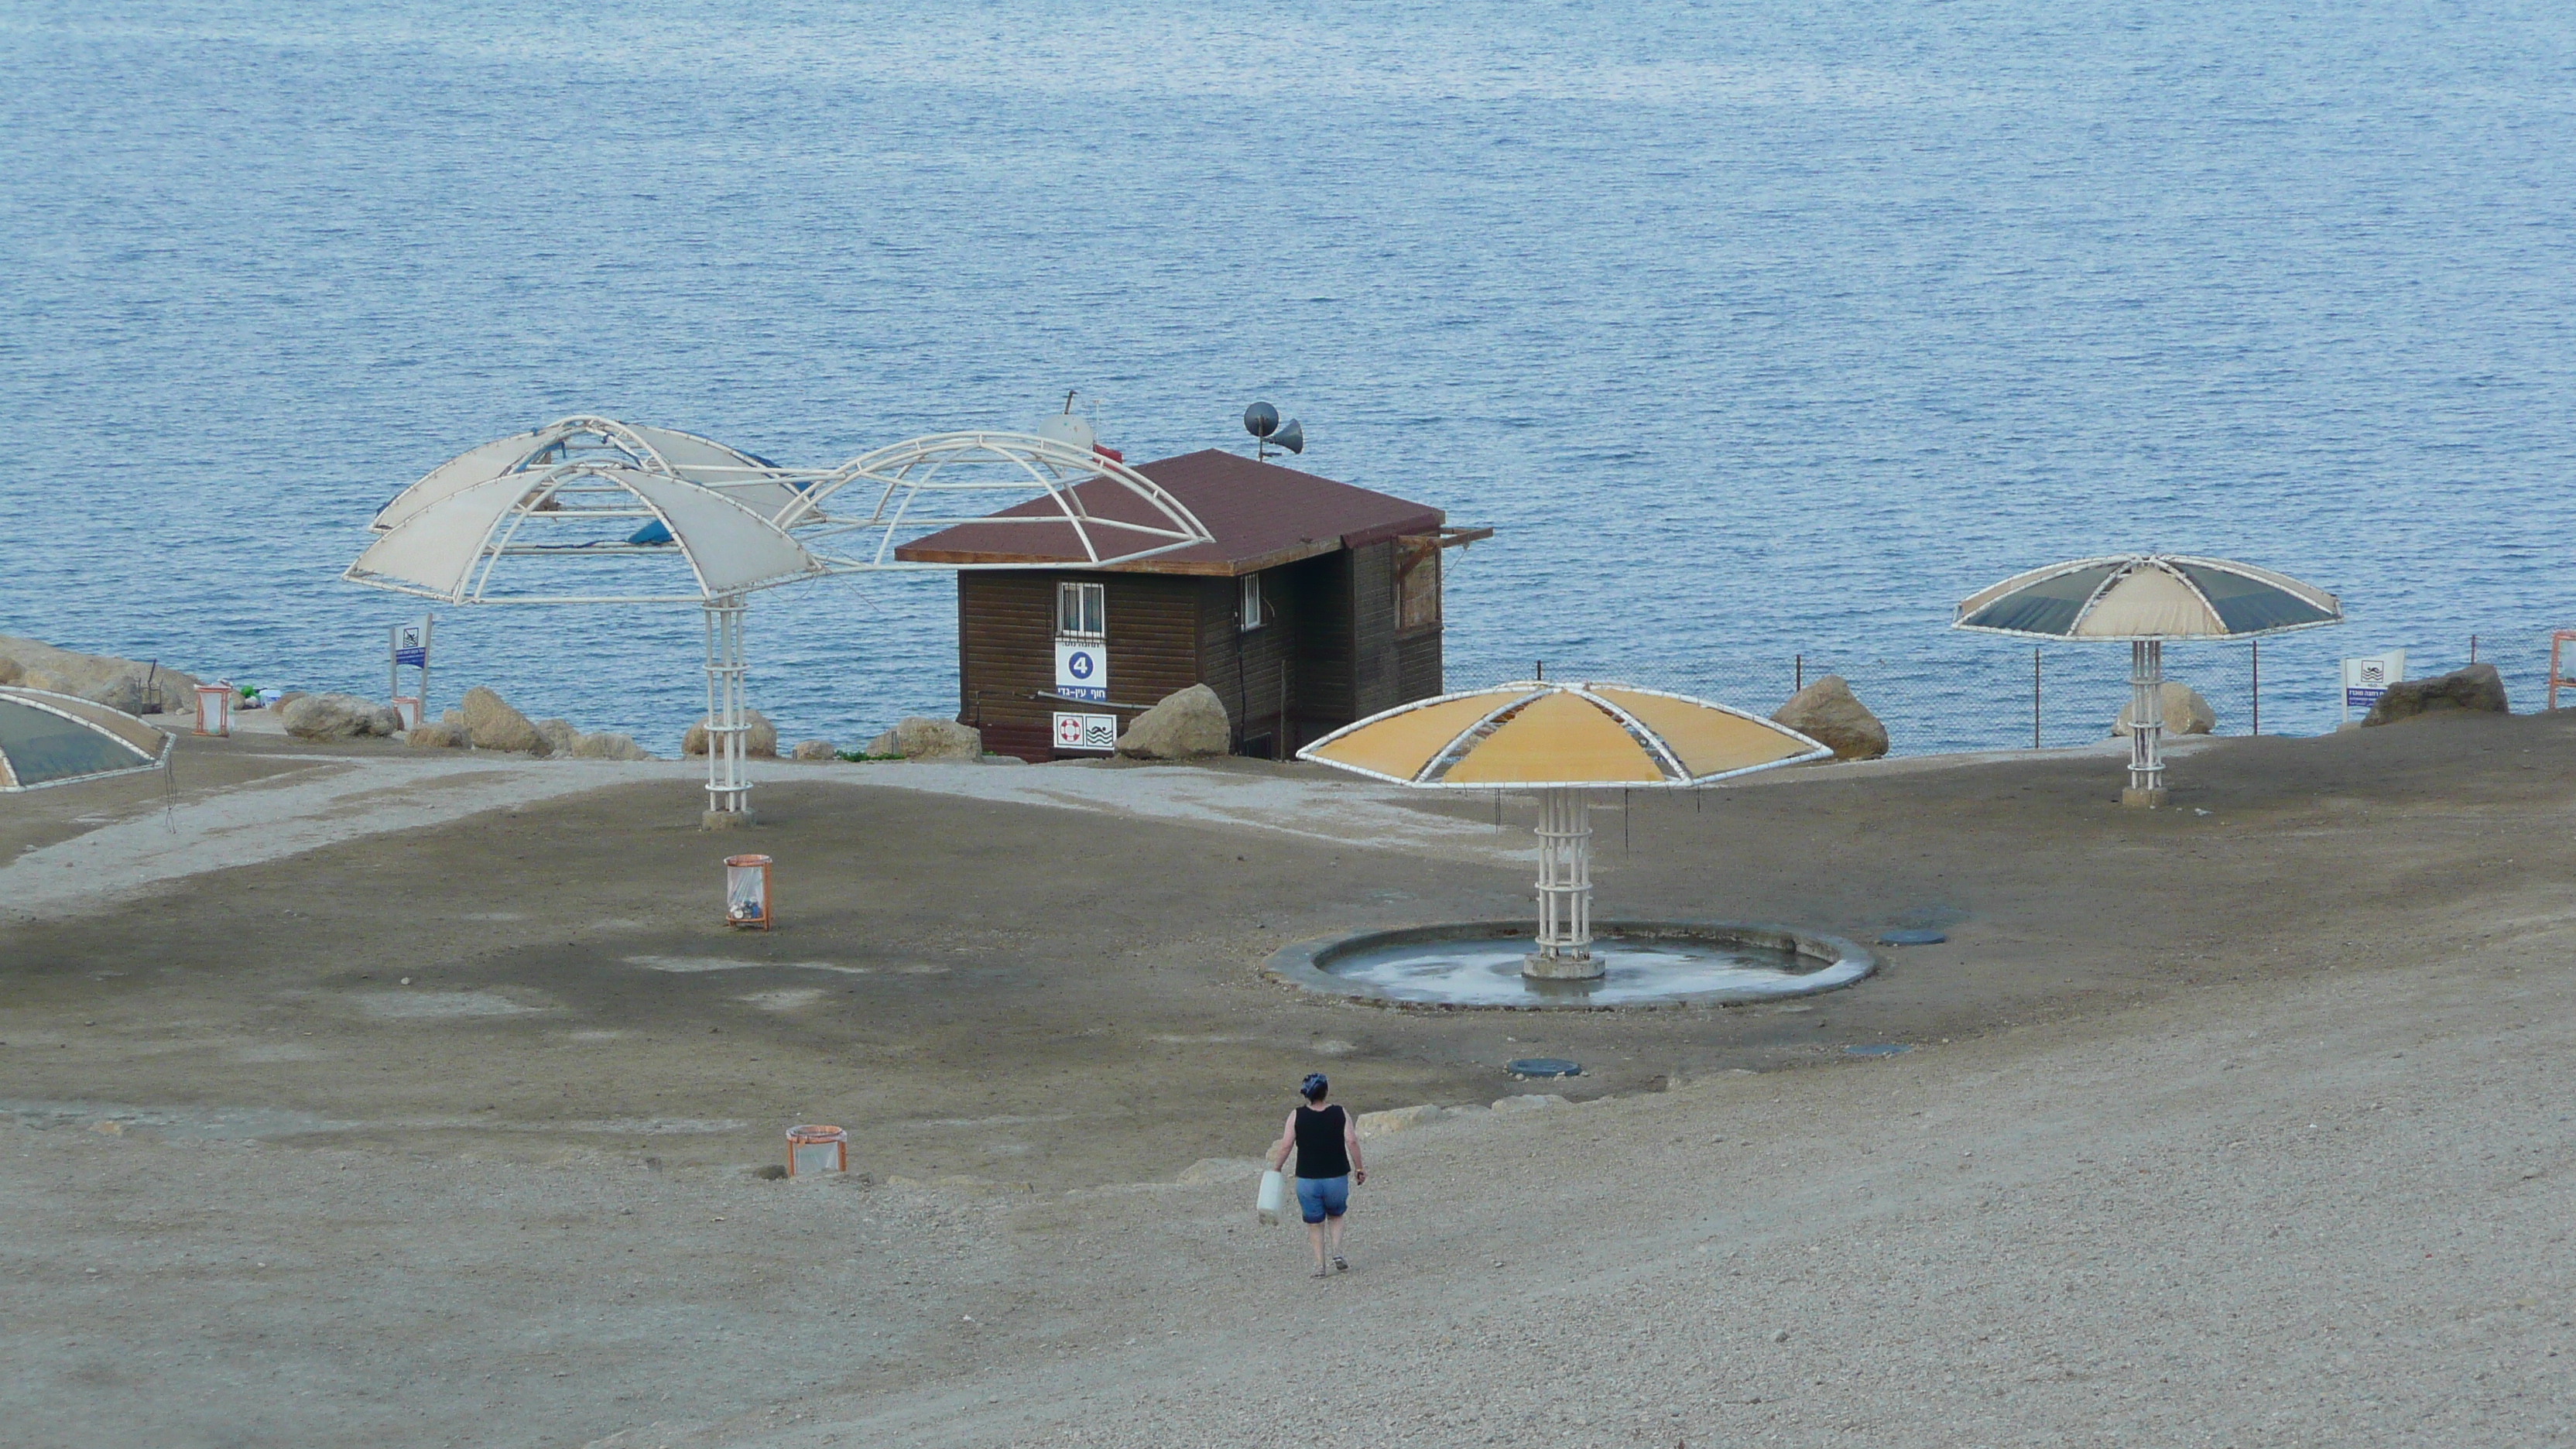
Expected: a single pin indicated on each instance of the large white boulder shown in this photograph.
(494, 725)
(561, 738)
(2478, 689)
(609, 746)
(2185, 712)
(101, 677)
(1831, 715)
(1183, 726)
(816, 751)
(339, 717)
(921, 738)
(760, 739)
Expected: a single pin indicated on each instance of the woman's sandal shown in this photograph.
(1340, 1266)
(1321, 1272)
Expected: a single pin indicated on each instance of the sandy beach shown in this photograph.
(362, 1098)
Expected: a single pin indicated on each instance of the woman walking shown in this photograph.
(1327, 1144)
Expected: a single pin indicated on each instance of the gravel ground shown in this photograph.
(2239, 1129)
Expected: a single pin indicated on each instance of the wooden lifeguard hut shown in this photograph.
(1315, 604)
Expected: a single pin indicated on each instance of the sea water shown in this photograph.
(1760, 332)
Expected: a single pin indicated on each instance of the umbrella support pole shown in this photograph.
(1564, 891)
(2146, 724)
(728, 793)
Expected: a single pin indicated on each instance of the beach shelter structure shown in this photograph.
(588, 510)
(2147, 600)
(1562, 740)
(56, 739)
(600, 527)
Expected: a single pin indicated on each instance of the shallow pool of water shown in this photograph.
(1488, 972)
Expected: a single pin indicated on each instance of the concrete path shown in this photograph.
(336, 798)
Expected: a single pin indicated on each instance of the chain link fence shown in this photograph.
(1969, 692)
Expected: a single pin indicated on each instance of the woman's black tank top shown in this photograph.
(1319, 1143)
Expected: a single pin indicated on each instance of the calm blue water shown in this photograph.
(1757, 329)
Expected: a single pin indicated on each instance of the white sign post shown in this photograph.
(2365, 680)
(1086, 732)
(1081, 670)
(410, 645)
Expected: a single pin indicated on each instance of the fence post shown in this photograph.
(1797, 673)
(2473, 649)
(2258, 686)
(2034, 696)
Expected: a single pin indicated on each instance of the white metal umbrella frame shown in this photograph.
(855, 516)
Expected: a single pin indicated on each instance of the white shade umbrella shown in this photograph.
(2146, 600)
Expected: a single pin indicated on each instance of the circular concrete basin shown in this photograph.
(1477, 964)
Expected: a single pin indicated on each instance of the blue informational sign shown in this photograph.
(418, 657)
(1081, 670)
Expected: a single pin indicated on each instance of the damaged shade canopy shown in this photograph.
(754, 481)
(466, 546)
(55, 739)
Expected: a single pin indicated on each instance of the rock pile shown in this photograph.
(2185, 712)
(760, 740)
(487, 722)
(1831, 715)
(338, 717)
(117, 683)
(2477, 689)
(607, 745)
(1187, 725)
(492, 724)
(922, 738)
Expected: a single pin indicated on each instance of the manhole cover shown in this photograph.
(1911, 938)
(1878, 1049)
(1544, 1067)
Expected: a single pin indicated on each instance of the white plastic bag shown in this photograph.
(1274, 1198)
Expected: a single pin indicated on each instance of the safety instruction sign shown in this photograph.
(411, 644)
(2365, 680)
(1081, 670)
(1086, 732)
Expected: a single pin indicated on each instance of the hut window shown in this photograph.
(1418, 591)
(1251, 602)
(1081, 611)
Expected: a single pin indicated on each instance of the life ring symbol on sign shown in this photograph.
(1068, 730)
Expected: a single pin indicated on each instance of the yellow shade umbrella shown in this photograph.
(1560, 739)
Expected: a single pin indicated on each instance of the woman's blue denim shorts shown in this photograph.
(1323, 1197)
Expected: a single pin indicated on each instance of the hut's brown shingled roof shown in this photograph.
(1262, 516)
